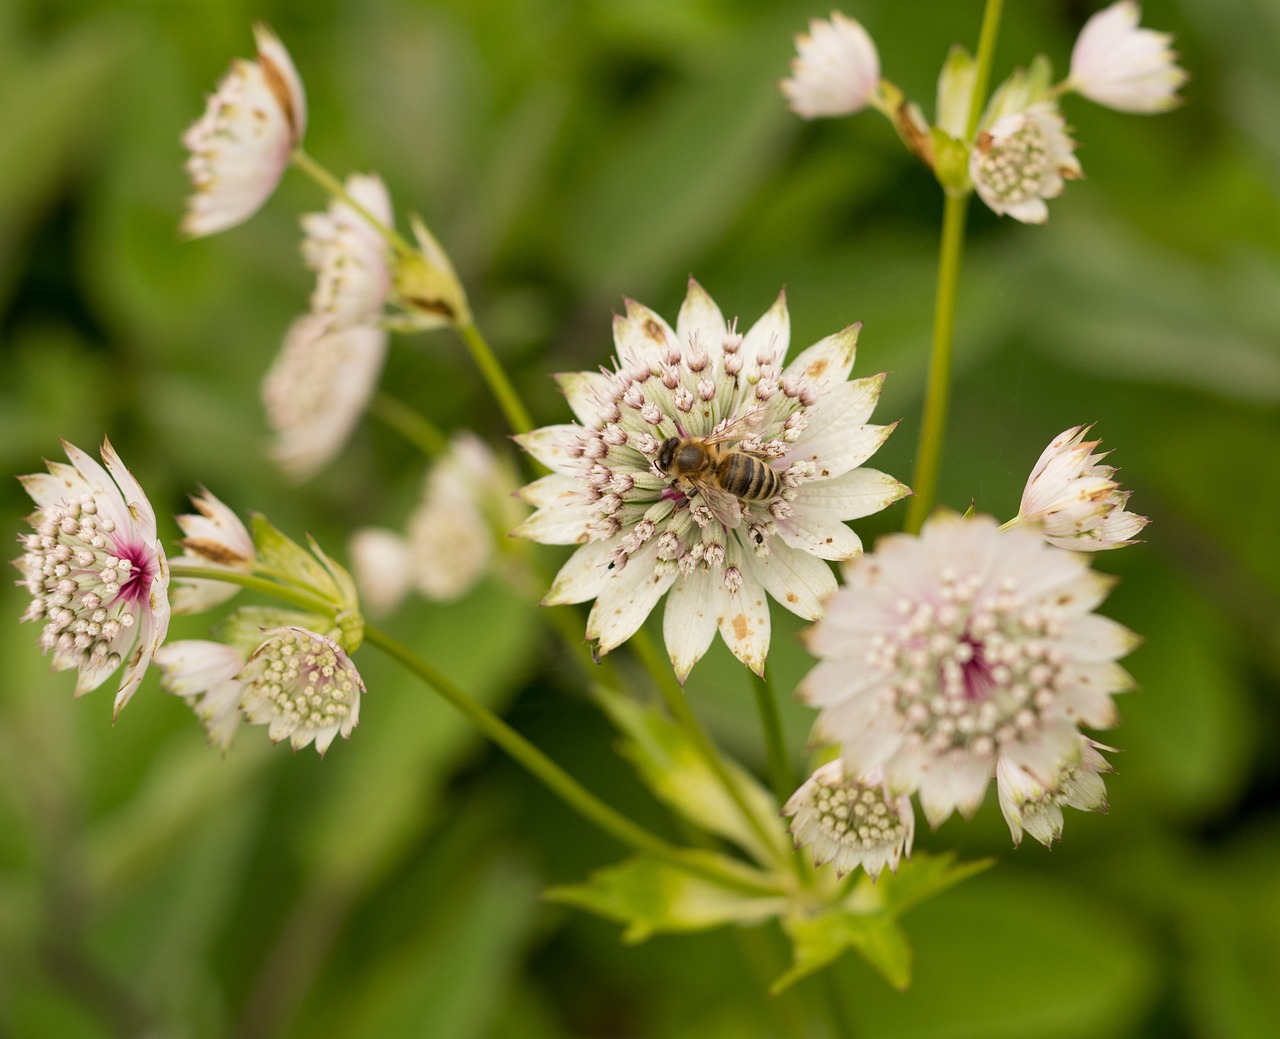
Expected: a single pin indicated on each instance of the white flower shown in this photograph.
(797, 436)
(303, 686)
(349, 255)
(856, 822)
(241, 145)
(946, 654)
(96, 570)
(1121, 66)
(1076, 501)
(1035, 806)
(836, 70)
(214, 538)
(1022, 160)
(205, 675)
(450, 538)
(318, 388)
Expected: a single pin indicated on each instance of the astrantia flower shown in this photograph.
(318, 388)
(1075, 500)
(96, 570)
(1035, 806)
(1119, 65)
(215, 538)
(856, 822)
(349, 255)
(449, 542)
(303, 686)
(1022, 160)
(836, 70)
(796, 437)
(947, 654)
(205, 675)
(241, 145)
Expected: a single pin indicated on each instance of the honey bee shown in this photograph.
(726, 477)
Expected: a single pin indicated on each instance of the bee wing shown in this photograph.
(739, 428)
(724, 506)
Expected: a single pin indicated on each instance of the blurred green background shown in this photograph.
(570, 153)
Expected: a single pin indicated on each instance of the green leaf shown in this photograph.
(821, 939)
(650, 896)
(672, 767)
(866, 921)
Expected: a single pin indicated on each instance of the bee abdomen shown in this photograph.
(749, 478)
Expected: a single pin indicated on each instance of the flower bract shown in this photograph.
(1075, 500)
(241, 145)
(704, 467)
(1122, 66)
(1034, 806)
(349, 255)
(946, 655)
(215, 537)
(96, 570)
(836, 70)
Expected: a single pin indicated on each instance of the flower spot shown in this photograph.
(741, 627)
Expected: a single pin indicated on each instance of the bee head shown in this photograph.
(667, 453)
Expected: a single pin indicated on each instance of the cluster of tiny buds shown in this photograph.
(969, 670)
(858, 815)
(298, 682)
(75, 577)
(1014, 167)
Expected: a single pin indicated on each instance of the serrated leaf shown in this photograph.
(671, 766)
(820, 939)
(922, 878)
(649, 896)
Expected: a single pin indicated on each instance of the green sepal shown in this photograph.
(348, 618)
(950, 162)
(672, 767)
(866, 920)
(955, 93)
(288, 562)
(649, 896)
(1020, 91)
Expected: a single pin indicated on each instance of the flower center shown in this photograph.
(974, 667)
(1014, 167)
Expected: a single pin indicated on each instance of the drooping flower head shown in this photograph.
(702, 467)
(836, 70)
(318, 388)
(241, 145)
(1075, 500)
(1023, 159)
(215, 537)
(1117, 64)
(349, 255)
(299, 683)
(855, 822)
(96, 570)
(947, 654)
(1035, 805)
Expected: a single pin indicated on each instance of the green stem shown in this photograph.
(933, 429)
(253, 582)
(780, 774)
(413, 426)
(678, 705)
(559, 782)
(338, 190)
(924, 481)
(513, 408)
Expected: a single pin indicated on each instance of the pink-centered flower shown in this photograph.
(783, 445)
(241, 145)
(1117, 64)
(1022, 160)
(1075, 500)
(836, 70)
(948, 655)
(318, 388)
(853, 822)
(96, 570)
